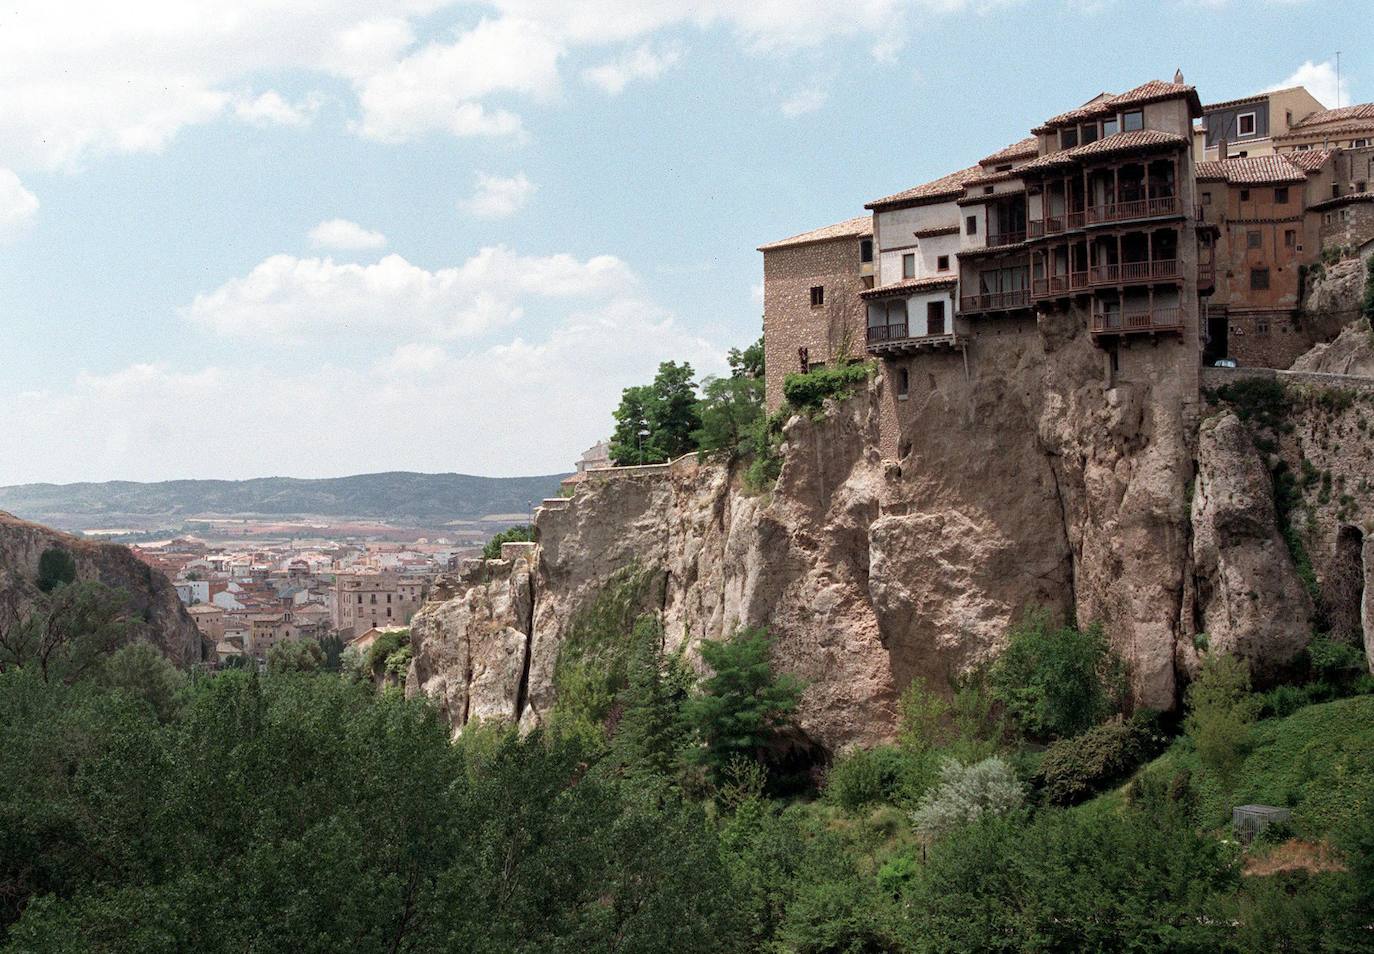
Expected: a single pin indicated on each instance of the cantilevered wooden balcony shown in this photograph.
(1137, 320)
(1135, 273)
(1066, 283)
(994, 301)
(1152, 208)
(895, 339)
(997, 239)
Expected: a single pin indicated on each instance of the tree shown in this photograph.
(731, 415)
(666, 410)
(56, 567)
(652, 736)
(141, 670)
(295, 655)
(1056, 682)
(1220, 711)
(521, 534)
(743, 704)
(68, 632)
(747, 362)
(966, 793)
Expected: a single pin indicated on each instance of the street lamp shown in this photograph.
(643, 433)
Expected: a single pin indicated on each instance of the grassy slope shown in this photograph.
(1319, 762)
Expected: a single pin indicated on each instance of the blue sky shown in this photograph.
(258, 237)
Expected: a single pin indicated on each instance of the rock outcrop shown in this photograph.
(1250, 598)
(1351, 352)
(153, 602)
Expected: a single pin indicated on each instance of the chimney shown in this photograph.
(1222, 146)
(1178, 77)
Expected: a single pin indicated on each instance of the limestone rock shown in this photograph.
(1249, 595)
(1352, 352)
(152, 600)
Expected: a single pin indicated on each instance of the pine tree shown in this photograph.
(652, 734)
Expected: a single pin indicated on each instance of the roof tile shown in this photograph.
(1118, 142)
(945, 187)
(858, 227)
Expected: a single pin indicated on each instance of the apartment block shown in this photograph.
(362, 601)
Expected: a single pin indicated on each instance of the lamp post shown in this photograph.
(643, 433)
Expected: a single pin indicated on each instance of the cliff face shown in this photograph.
(1035, 476)
(153, 601)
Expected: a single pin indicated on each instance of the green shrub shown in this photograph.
(810, 391)
(1057, 682)
(1220, 712)
(1336, 662)
(967, 793)
(1261, 402)
(863, 777)
(521, 534)
(56, 567)
(1073, 770)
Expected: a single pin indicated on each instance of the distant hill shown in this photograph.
(395, 496)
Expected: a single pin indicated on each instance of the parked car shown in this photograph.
(1225, 363)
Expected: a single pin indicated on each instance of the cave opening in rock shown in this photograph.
(1344, 590)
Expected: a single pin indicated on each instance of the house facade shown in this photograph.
(365, 600)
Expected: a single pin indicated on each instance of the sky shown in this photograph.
(251, 238)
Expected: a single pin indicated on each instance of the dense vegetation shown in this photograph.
(521, 534)
(301, 809)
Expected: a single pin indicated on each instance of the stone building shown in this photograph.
(364, 600)
(1349, 127)
(1347, 221)
(812, 315)
(1264, 234)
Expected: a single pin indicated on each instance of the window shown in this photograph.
(1335, 190)
(1245, 124)
(1361, 186)
(1261, 326)
(1253, 239)
(1068, 138)
(1133, 120)
(866, 251)
(1360, 143)
(1110, 127)
(360, 598)
(1088, 133)
(1259, 279)
(909, 265)
(1245, 195)
(817, 296)
(987, 190)
(1290, 238)
(1206, 198)
(1003, 168)
(942, 263)
(903, 383)
(1281, 195)
(935, 317)
(388, 611)
(971, 225)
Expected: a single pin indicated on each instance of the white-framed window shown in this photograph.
(1245, 124)
(1133, 120)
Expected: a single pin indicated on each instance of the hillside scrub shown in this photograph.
(810, 390)
(520, 534)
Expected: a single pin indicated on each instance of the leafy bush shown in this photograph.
(1057, 682)
(382, 647)
(1073, 770)
(1220, 712)
(1336, 662)
(1262, 402)
(295, 655)
(810, 391)
(520, 534)
(56, 567)
(141, 670)
(862, 777)
(966, 793)
(731, 413)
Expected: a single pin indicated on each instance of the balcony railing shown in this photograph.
(1005, 238)
(1206, 274)
(1134, 209)
(1137, 320)
(893, 332)
(1059, 284)
(995, 301)
(1128, 272)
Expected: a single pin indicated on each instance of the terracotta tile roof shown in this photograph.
(1020, 149)
(936, 231)
(907, 285)
(1243, 100)
(858, 227)
(981, 197)
(1324, 116)
(1105, 104)
(945, 187)
(1347, 199)
(992, 250)
(990, 178)
(1253, 170)
(1119, 142)
(1309, 160)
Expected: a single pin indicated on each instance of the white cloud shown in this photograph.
(346, 235)
(497, 197)
(303, 298)
(645, 62)
(1320, 80)
(272, 109)
(135, 73)
(17, 205)
(803, 102)
(131, 423)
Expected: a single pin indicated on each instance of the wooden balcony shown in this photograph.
(1134, 273)
(996, 239)
(1057, 285)
(893, 340)
(1158, 207)
(994, 301)
(1137, 321)
(1206, 277)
